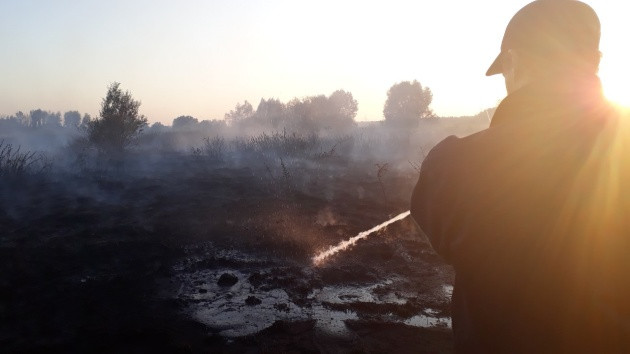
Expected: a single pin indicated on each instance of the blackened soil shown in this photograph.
(88, 262)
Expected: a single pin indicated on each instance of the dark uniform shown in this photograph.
(534, 215)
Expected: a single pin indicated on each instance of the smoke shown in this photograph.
(325, 217)
(284, 165)
(320, 258)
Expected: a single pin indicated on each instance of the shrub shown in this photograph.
(14, 162)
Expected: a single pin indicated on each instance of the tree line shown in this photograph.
(119, 122)
(407, 103)
(41, 118)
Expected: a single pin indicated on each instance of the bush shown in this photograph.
(214, 148)
(277, 144)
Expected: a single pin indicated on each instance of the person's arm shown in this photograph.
(434, 202)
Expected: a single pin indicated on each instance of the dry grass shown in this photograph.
(15, 162)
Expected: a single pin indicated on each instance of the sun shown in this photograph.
(617, 90)
(615, 76)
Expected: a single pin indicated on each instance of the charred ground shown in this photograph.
(126, 256)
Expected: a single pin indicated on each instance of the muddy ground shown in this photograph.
(205, 257)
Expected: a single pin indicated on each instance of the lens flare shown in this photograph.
(324, 255)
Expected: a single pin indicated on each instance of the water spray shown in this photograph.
(342, 246)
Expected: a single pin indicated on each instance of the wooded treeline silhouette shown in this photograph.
(119, 125)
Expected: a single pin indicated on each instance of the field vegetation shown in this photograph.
(118, 236)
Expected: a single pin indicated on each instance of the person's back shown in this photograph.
(531, 213)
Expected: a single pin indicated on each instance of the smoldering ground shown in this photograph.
(193, 245)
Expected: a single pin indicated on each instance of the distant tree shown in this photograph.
(157, 126)
(119, 122)
(312, 114)
(71, 119)
(299, 113)
(407, 103)
(53, 119)
(344, 107)
(184, 121)
(85, 121)
(315, 114)
(7, 123)
(302, 113)
(22, 118)
(239, 113)
(212, 125)
(37, 117)
(486, 114)
(271, 113)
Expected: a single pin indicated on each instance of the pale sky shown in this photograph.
(200, 58)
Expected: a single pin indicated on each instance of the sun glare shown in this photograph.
(616, 90)
(615, 73)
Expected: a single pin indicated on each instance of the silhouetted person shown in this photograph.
(534, 212)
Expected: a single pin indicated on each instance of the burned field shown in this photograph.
(212, 251)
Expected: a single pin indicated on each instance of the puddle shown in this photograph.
(243, 309)
(233, 317)
(226, 309)
(356, 293)
(429, 321)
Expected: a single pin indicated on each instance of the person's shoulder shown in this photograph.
(447, 157)
(454, 147)
(445, 149)
(447, 144)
